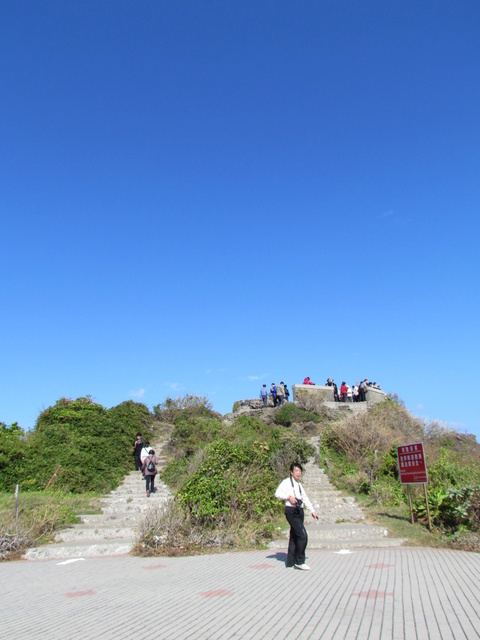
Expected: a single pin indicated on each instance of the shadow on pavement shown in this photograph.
(280, 557)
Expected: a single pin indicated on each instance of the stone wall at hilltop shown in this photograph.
(325, 394)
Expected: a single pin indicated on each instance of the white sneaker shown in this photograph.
(302, 567)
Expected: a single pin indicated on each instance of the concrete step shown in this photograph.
(337, 545)
(114, 519)
(345, 531)
(129, 498)
(87, 532)
(75, 550)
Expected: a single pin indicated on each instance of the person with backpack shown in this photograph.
(144, 454)
(273, 393)
(149, 468)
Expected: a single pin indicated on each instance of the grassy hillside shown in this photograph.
(360, 453)
(224, 472)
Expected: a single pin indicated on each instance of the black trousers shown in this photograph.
(298, 536)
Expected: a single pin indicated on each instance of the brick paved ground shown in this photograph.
(371, 593)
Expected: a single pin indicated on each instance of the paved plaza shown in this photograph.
(370, 593)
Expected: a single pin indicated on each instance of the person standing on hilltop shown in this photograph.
(343, 391)
(363, 390)
(264, 394)
(280, 393)
(356, 392)
(293, 495)
(287, 393)
(335, 391)
(308, 381)
(273, 393)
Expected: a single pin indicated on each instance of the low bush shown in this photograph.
(188, 405)
(464, 540)
(290, 413)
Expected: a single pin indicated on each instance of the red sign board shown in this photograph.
(411, 463)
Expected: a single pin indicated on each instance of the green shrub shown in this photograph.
(76, 445)
(12, 455)
(232, 483)
(287, 449)
(449, 470)
(247, 429)
(290, 413)
(175, 472)
(189, 405)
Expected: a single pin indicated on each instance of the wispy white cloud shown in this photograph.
(137, 394)
(174, 386)
(252, 377)
(215, 370)
(420, 406)
(386, 214)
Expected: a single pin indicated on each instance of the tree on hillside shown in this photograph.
(12, 444)
(88, 444)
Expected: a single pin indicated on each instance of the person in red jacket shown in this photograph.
(308, 381)
(343, 391)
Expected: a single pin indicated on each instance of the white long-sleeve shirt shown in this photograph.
(285, 489)
(144, 453)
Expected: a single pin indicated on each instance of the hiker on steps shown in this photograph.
(144, 453)
(293, 494)
(149, 469)
(137, 450)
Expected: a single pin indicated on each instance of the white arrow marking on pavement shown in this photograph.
(343, 552)
(70, 561)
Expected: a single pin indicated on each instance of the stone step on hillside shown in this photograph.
(103, 532)
(112, 532)
(342, 536)
(86, 549)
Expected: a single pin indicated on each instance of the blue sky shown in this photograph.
(203, 197)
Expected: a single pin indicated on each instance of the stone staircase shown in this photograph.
(112, 532)
(341, 523)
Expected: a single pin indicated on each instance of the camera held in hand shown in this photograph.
(299, 504)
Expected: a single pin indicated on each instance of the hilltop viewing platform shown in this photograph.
(325, 393)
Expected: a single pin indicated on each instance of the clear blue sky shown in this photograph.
(199, 197)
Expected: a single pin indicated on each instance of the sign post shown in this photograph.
(411, 464)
